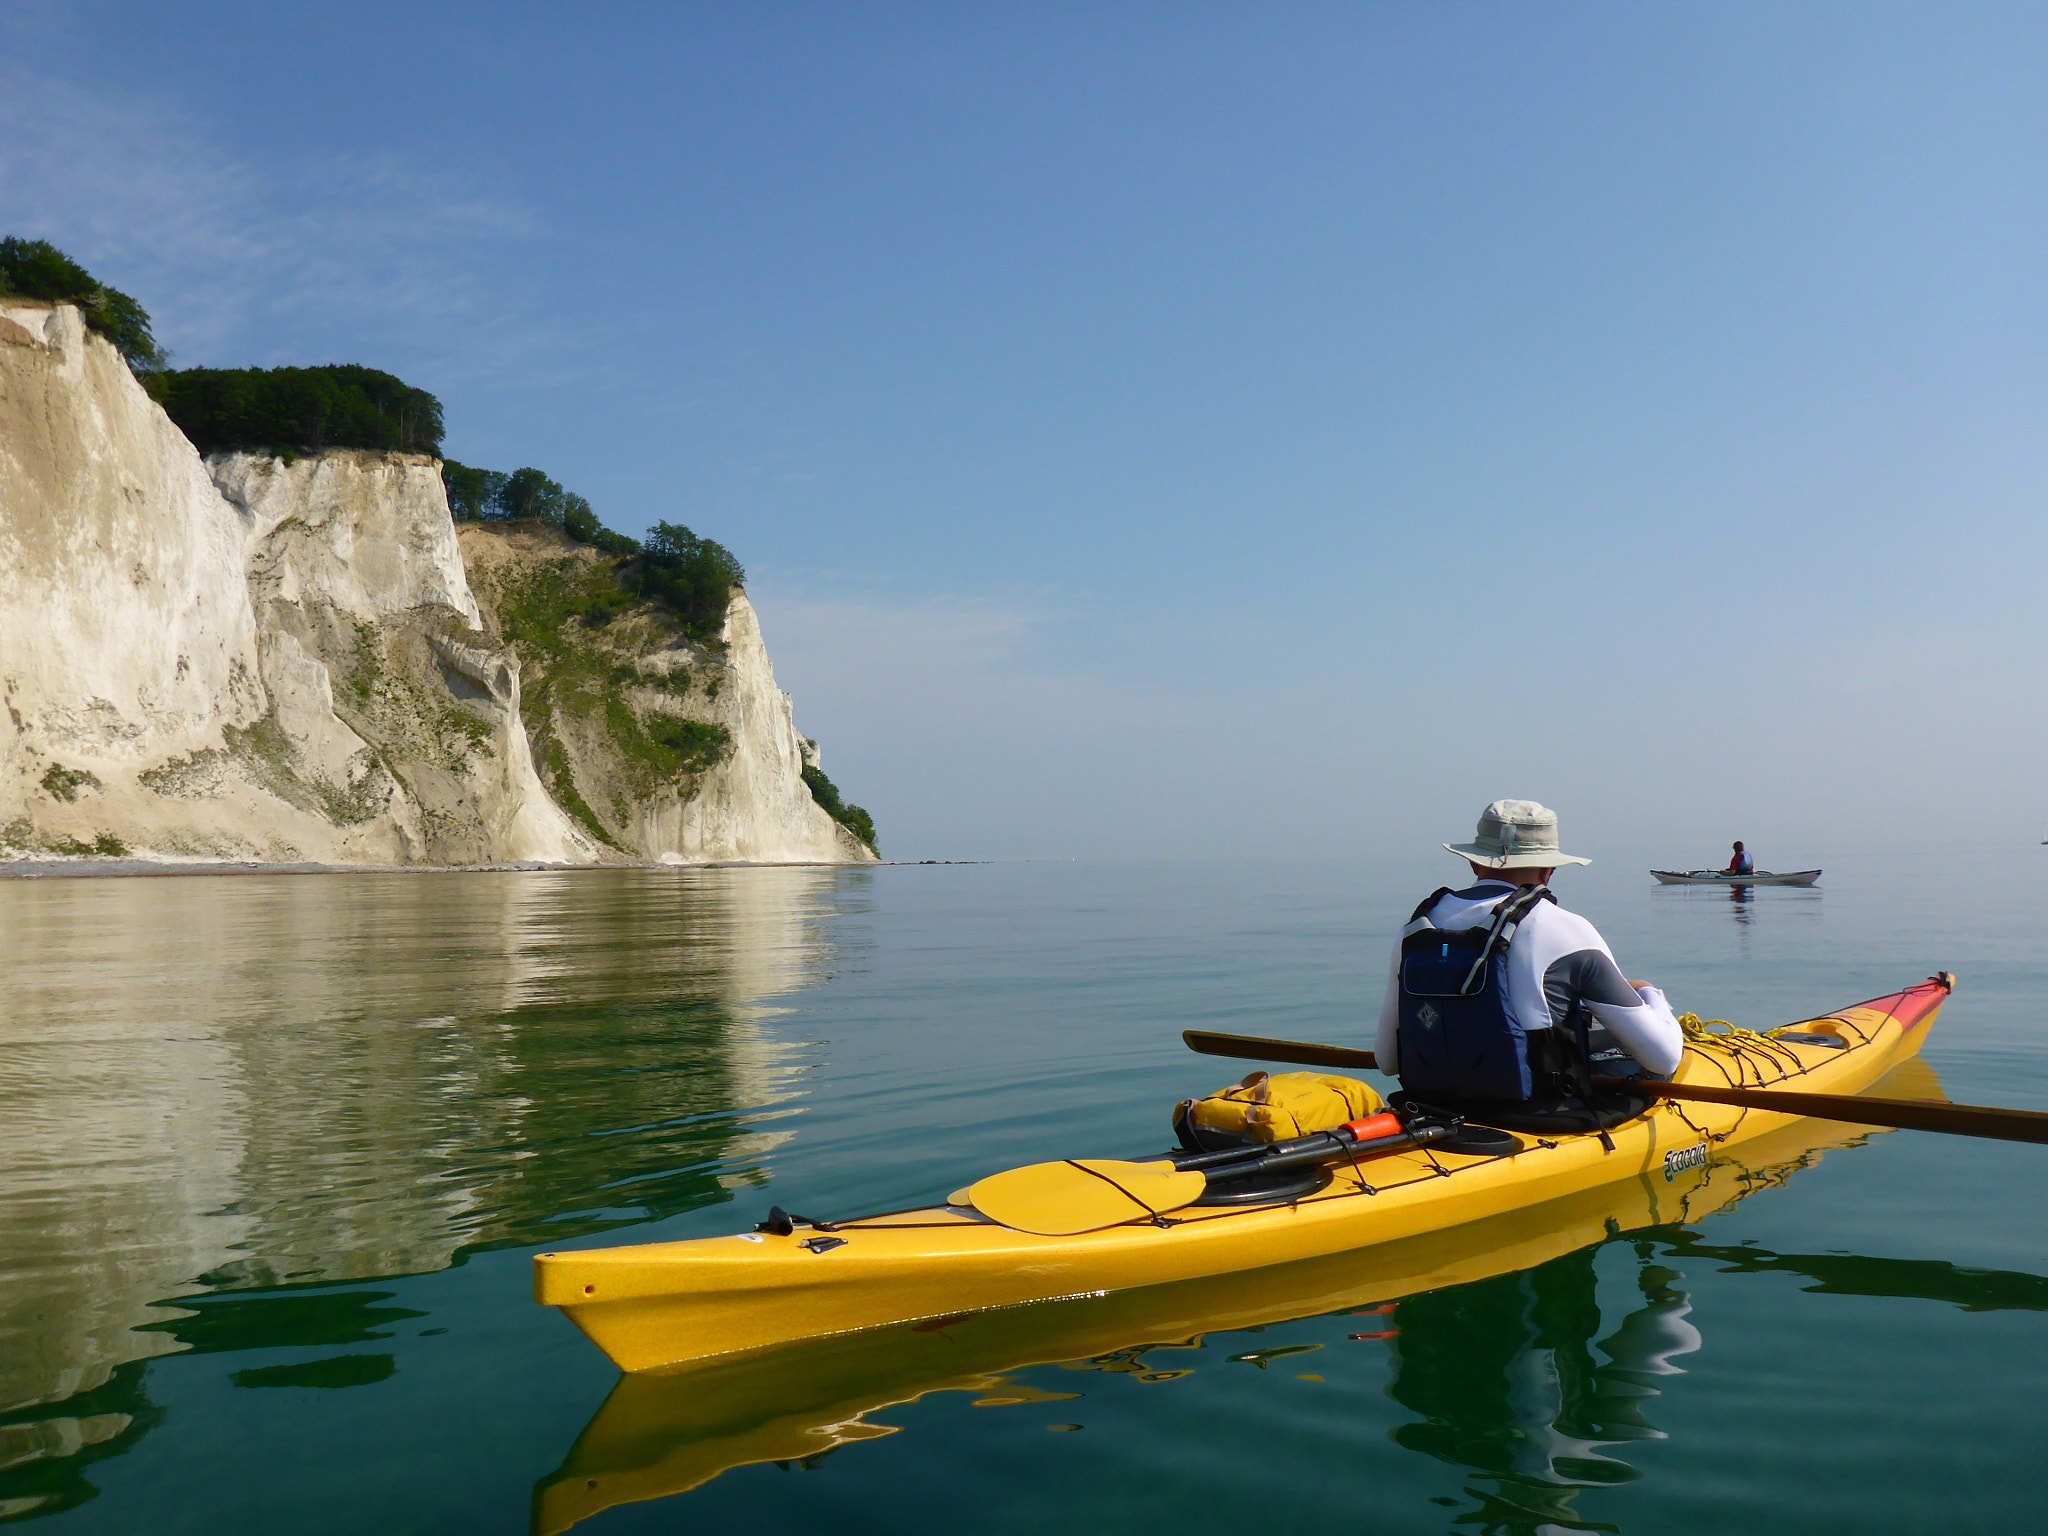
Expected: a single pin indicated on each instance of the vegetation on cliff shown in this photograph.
(606, 724)
(36, 269)
(261, 410)
(688, 577)
(297, 410)
(851, 817)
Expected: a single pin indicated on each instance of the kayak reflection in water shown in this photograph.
(1504, 1374)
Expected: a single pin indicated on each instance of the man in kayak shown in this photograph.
(1500, 996)
(1741, 864)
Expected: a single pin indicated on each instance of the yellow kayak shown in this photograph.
(668, 1305)
(662, 1433)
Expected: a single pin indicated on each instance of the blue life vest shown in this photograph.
(1456, 1034)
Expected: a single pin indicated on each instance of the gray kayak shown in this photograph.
(1716, 877)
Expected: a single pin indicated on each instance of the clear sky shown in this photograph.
(1168, 429)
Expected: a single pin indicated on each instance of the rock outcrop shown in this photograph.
(283, 659)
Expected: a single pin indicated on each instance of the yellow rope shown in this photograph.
(1720, 1035)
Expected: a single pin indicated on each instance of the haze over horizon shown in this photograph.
(1155, 431)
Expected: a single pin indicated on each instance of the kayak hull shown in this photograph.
(1715, 877)
(669, 1304)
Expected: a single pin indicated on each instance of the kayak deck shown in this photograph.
(665, 1304)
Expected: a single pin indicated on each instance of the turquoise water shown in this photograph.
(275, 1152)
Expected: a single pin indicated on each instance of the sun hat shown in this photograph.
(1515, 834)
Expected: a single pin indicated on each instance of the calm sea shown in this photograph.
(275, 1152)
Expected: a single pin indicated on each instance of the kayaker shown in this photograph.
(1741, 864)
(1498, 995)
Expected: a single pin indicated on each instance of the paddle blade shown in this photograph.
(1082, 1195)
(1256, 1048)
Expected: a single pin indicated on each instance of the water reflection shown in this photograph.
(1508, 1378)
(1743, 903)
(211, 1084)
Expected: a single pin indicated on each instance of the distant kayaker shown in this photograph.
(1499, 995)
(1741, 864)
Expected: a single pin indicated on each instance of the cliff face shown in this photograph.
(256, 659)
(392, 713)
(127, 635)
(662, 747)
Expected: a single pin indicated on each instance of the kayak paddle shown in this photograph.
(1900, 1114)
(1255, 1048)
(1087, 1194)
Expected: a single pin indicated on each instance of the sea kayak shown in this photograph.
(1719, 877)
(662, 1433)
(671, 1304)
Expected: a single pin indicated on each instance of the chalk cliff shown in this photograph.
(256, 658)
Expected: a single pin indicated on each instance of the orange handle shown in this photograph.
(1372, 1127)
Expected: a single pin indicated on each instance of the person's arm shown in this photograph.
(1386, 1045)
(1639, 1018)
(1649, 1031)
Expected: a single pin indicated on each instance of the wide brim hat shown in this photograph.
(1515, 834)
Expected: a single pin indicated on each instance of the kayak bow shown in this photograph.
(668, 1304)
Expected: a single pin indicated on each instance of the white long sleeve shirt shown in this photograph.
(1555, 958)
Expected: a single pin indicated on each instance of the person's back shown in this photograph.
(1741, 864)
(1498, 995)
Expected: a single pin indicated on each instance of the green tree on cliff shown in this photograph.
(693, 577)
(288, 410)
(36, 269)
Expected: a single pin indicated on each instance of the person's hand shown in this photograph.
(1639, 985)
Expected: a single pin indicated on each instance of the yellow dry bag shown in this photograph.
(1280, 1106)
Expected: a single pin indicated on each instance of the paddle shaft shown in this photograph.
(1237, 1162)
(1254, 1048)
(1901, 1114)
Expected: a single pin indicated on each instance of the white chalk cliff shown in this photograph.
(250, 658)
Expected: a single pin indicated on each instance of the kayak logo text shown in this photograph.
(1683, 1158)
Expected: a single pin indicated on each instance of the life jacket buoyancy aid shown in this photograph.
(1456, 1033)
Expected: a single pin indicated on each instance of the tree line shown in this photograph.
(692, 577)
(36, 269)
(285, 411)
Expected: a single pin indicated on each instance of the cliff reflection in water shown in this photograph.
(228, 1083)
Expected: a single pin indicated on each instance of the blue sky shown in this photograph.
(1159, 430)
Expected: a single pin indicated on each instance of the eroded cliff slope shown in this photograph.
(662, 747)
